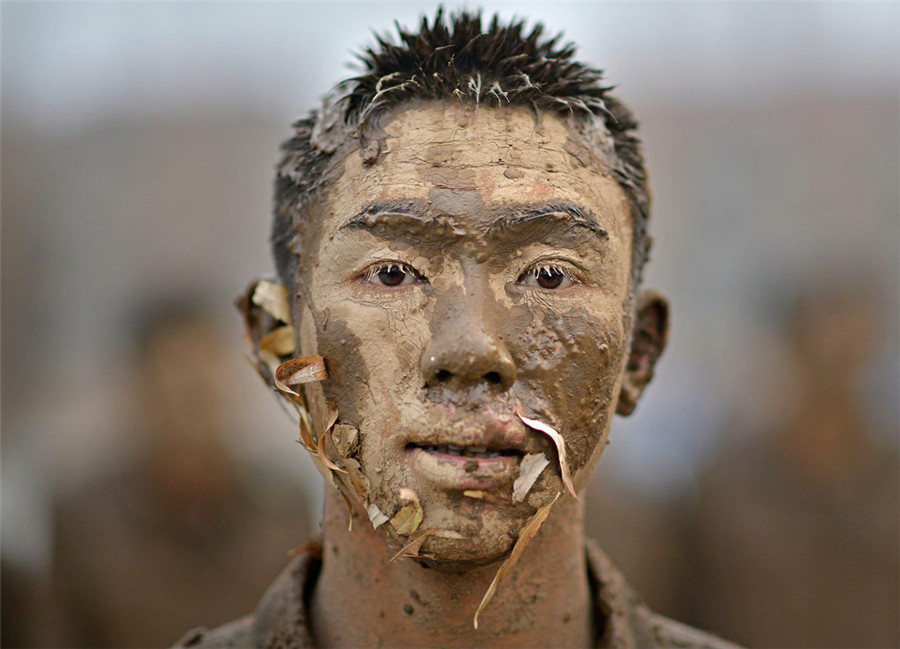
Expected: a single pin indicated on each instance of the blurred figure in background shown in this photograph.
(798, 528)
(183, 531)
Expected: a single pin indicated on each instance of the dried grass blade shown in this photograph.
(306, 431)
(323, 455)
(358, 481)
(529, 530)
(274, 300)
(332, 415)
(271, 363)
(349, 509)
(298, 371)
(560, 447)
(529, 470)
(279, 341)
(376, 516)
(448, 534)
(411, 549)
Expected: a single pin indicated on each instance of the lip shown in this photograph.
(453, 471)
(478, 451)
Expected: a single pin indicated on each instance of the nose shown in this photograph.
(465, 349)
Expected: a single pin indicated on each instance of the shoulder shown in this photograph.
(669, 633)
(233, 635)
(280, 620)
(627, 623)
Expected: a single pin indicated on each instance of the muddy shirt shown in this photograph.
(282, 619)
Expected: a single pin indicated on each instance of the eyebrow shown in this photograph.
(376, 214)
(578, 216)
(380, 214)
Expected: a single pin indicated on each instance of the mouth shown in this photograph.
(464, 451)
(455, 467)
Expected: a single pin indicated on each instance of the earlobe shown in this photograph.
(651, 324)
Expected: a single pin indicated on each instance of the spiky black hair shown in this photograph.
(505, 64)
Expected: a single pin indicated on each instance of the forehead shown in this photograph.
(465, 162)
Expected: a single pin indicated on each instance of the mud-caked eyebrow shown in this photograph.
(563, 218)
(555, 215)
(380, 214)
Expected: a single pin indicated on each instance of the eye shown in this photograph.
(548, 277)
(392, 275)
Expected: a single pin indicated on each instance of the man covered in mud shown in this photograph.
(459, 236)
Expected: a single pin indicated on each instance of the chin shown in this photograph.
(487, 547)
(471, 532)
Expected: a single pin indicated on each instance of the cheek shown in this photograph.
(569, 364)
(347, 369)
(355, 338)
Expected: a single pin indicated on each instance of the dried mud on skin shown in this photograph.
(334, 447)
(529, 530)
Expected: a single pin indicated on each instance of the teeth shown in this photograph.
(465, 451)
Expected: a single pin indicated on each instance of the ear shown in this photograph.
(651, 325)
(265, 309)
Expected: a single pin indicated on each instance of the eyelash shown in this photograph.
(532, 277)
(551, 272)
(371, 275)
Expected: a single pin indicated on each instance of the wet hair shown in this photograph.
(456, 60)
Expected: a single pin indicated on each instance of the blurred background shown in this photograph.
(151, 484)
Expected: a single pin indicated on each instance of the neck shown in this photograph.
(361, 599)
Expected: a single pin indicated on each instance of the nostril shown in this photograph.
(443, 375)
(493, 377)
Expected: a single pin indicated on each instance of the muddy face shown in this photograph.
(478, 263)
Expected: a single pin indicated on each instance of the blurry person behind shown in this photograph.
(798, 529)
(183, 530)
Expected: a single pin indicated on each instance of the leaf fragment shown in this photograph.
(349, 509)
(529, 470)
(279, 342)
(529, 530)
(560, 446)
(448, 534)
(376, 516)
(274, 300)
(321, 450)
(307, 439)
(412, 547)
(359, 482)
(407, 520)
(297, 371)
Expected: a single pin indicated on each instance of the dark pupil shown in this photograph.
(548, 278)
(392, 276)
